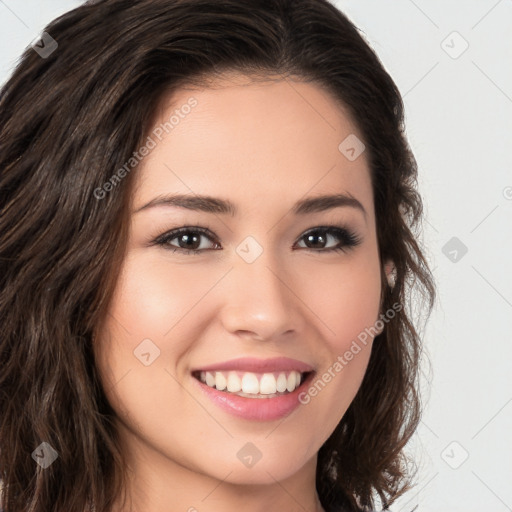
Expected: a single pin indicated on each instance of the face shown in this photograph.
(262, 284)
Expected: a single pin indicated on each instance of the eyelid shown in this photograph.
(175, 232)
(341, 231)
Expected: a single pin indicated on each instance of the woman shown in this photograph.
(206, 244)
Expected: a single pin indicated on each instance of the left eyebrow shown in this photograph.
(217, 205)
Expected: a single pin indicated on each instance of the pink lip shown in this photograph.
(249, 364)
(256, 409)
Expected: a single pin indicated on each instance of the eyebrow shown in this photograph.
(216, 205)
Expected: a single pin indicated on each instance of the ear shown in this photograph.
(388, 279)
(390, 271)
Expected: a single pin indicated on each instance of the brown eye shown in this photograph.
(317, 239)
(189, 240)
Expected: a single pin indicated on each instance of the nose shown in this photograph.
(259, 300)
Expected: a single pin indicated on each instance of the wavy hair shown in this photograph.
(67, 123)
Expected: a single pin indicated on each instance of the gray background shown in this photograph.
(459, 123)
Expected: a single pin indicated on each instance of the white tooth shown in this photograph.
(202, 376)
(250, 383)
(297, 379)
(234, 383)
(267, 384)
(220, 381)
(290, 383)
(281, 382)
(210, 379)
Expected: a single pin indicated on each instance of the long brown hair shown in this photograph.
(68, 122)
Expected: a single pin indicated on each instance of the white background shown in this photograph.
(459, 124)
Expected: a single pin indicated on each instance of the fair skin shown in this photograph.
(262, 146)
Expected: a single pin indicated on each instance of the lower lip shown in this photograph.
(256, 409)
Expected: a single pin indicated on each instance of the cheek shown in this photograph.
(164, 302)
(144, 317)
(153, 296)
(344, 298)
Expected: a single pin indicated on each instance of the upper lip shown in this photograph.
(250, 364)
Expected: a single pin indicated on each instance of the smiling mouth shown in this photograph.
(252, 384)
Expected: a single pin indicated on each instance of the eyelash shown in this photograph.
(348, 237)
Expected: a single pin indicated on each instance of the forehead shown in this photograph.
(254, 142)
